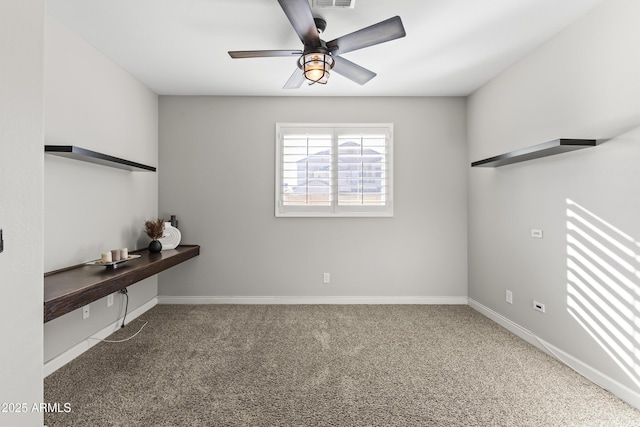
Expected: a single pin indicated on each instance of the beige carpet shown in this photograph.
(325, 365)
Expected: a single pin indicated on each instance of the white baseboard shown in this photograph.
(511, 326)
(625, 393)
(75, 351)
(311, 300)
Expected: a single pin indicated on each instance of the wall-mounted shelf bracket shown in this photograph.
(77, 153)
(556, 146)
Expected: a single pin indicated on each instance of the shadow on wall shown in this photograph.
(603, 290)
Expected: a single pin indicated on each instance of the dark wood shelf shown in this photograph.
(556, 146)
(77, 153)
(70, 288)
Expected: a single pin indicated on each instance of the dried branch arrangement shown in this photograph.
(155, 229)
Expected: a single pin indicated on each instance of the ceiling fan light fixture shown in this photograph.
(316, 66)
(318, 57)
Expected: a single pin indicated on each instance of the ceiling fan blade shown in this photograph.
(295, 81)
(352, 71)
(263, 53)
(381, 32)
(301, 18)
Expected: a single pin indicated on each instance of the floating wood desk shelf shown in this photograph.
(541, 150)
(70, 288)
(77, 153)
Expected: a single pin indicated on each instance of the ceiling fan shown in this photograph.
(319, 57)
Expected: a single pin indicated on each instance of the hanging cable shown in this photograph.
(125, 339)
(126, 307)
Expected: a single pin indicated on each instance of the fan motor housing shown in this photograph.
(321, 24)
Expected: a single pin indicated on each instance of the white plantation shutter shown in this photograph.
(334, 170)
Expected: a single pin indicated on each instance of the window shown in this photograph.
(334, 170)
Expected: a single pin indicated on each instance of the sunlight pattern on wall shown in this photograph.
(603, 285)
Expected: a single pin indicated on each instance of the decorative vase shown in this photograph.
(155, 246)
(171, 237)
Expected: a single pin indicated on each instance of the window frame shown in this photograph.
(334, 209)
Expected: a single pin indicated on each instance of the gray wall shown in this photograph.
(89, 209)
(21, 94)
(217, 159)
(582, 84)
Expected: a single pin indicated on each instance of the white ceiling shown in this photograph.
(452, 47)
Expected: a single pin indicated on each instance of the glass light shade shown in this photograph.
(316, 66)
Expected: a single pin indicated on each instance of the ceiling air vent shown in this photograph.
(334, 4)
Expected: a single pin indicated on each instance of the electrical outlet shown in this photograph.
(109, 300)
(509, 296)
(538, 306)
(326, 278)
(85, 312)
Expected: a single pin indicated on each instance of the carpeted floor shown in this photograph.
(324, 365)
